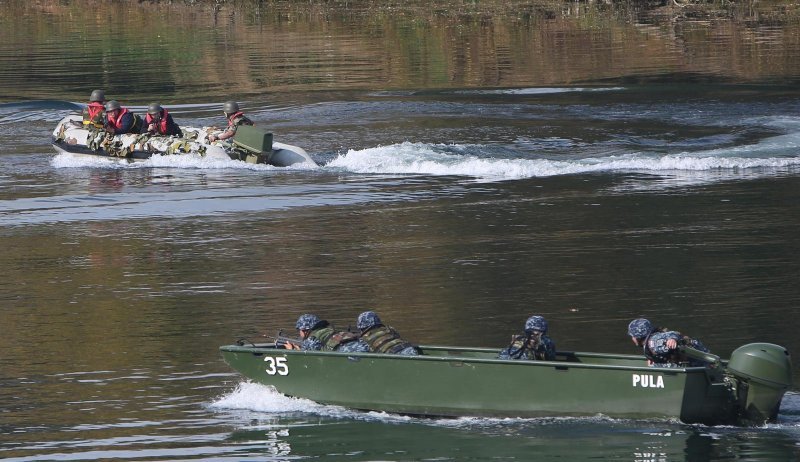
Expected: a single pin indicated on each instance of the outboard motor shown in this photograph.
(763, 373)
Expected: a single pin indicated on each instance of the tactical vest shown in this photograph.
(332, 340)
(521, 347)
(384, 339)
(161, 126)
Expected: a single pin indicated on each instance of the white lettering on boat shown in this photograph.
(276, 365)
(648, 381)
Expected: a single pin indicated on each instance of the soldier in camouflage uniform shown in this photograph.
(661, 346)
(94, 112)
(381, 338)
(532, 344)
(318, 334)
(235, 119)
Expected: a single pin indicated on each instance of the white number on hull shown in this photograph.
(648, 381)
(276, 366)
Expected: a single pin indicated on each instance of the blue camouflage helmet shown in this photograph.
(367, 320)
(536, 323)
(307, 321)
(640, 328)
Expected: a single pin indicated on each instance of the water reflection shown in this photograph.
(573, 440)
(178, 52)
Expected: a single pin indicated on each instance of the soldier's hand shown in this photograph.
(672, 344)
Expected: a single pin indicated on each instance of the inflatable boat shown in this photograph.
(250, 144)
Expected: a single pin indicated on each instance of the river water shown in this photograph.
(584, 164)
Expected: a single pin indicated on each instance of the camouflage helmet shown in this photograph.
(113, 105)
(640, 328)
(230, 107)
(154, 108)
(367, 320)
(307, 322)
(536, 323)
(97, 96)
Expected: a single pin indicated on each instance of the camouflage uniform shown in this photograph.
(381, 338)
(235, 119)
(657, 351)
(533, 344)
(529, 348)
(321, 336)
(94, 113)
(654, 344)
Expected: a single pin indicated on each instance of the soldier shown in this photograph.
(318, 334)
(381, 338)
(94, 111)
(661, 346)
(532, 344)
(120, 120)
(159, 122)
(235, 118)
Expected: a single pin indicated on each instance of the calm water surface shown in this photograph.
(471, 173)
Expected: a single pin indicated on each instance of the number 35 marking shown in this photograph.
(276, 366)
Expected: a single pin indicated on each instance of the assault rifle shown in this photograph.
(281, 340)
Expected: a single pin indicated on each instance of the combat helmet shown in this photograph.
(154, 108)
(230, 107)
(113, 105)
(536, 323)
(307, 322)
(368, 320)
(640, 328)
(97, 96)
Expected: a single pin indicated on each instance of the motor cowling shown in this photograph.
(764, 373)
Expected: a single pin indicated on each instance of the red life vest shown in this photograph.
(233, 117)
(161, 125)
(93, 114)
(116, 124)
(95, 109)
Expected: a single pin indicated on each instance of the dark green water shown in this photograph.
(583, 166)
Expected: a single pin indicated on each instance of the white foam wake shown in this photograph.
(419, 158)
(250, 396)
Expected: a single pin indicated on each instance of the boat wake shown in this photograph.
(250, 398)
(253, 397)
(538, 90)
(486, 163)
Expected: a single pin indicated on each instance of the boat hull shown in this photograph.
(452, 382)
(71, 137)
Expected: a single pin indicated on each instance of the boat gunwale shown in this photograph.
(441, 358)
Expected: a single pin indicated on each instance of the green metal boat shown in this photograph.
(459, 381)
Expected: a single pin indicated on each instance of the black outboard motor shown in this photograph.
(763, 373)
